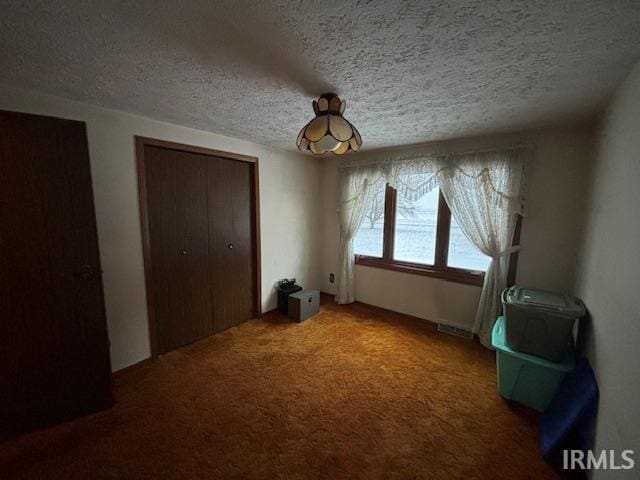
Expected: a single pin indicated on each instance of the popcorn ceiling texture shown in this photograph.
(411, 71)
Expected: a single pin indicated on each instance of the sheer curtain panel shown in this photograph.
(483, 191)
(354, 191)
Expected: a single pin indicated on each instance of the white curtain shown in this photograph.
(483, 191)
(355, 190)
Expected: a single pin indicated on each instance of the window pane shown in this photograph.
(416, 223)
(462, 253)
(368, 240)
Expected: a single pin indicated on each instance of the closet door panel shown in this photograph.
(220, 189)
(179, 241)
(231, 234)
(242, 255)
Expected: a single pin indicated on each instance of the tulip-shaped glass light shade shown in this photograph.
(329, 131)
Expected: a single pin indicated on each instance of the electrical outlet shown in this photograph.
(331, 278)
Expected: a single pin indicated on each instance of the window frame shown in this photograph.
(439, 269)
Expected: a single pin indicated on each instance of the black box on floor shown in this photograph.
(284, 290)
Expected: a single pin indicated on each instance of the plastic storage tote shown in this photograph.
(540, 322)
(525, 378)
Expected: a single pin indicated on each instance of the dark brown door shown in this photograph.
(232, 239)
(201, 217)
(54, 353)
(179, 240)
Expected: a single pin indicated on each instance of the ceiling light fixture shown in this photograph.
(329, 131)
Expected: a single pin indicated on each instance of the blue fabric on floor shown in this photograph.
(568, 421)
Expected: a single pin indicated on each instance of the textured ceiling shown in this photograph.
(411, 71)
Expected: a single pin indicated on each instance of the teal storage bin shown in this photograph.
(525, 378)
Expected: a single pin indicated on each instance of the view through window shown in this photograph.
(416, 227)
(415, 239)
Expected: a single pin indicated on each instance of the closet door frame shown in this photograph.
(140, 144)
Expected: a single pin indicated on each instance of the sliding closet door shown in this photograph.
(176, 184)
(242, 254)
(231, 220)
(199, 225)
(54, 352)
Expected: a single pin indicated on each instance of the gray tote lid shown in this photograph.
(544, 299)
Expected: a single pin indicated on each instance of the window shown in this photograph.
(418, 236)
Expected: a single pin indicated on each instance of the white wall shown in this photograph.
(556, 187)
(609, 277)
(289, 208)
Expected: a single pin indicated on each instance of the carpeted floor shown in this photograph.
(355, 392)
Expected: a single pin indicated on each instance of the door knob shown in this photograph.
(230, 246)
(183, 252)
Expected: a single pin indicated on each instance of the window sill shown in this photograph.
(457, 275)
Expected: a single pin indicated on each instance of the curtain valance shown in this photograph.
(414, 175)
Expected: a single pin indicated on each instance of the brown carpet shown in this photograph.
(355, 392)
